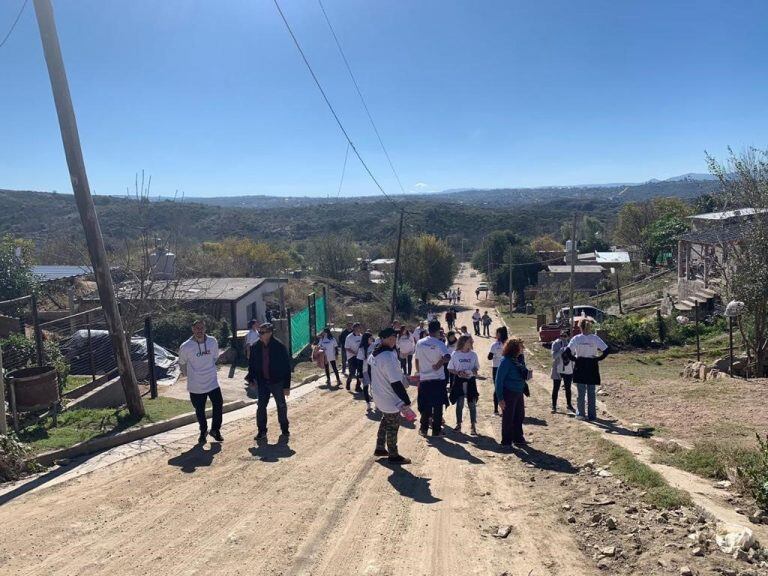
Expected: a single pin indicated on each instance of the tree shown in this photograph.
(428, 265)
(238, 257)
(333, 255)
(494, 248)
(16, 278)
(525, 268)
(636, 218)
(663, 234)
(591, 235)
(546, 243)
(744, 179)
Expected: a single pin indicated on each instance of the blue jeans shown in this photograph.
(460, 410)
(587, 390)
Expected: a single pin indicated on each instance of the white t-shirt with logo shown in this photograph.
(406, 345)
(587, 346)
(200, 361)
(429, 351)
(496, 349)
(329, 346)
(464, 362)
(385, 369)
(476, 317)
(352, 343)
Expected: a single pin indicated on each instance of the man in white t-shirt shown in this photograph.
(251, 337)
(197, 359)
(476, 317)
(388, 383)
(431, 356)
(585, 350)
(355, 366)
(495, 355)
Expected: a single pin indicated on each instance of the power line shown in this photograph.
(330, 106)
(360, 94)
(343, 171)
(13, 26)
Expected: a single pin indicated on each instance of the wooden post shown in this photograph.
(573, 270)
(396, 278)
(38, 332)
(84, 201)
(698, 340)
(14, 411)
(150, 357)
(233, 330)
(3, 421)
(730, 346)
(289, 344)
(281, 292)
(325, 305)
(618, 291)
(510, 281)
(91, 359)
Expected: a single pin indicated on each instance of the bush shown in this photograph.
(20, 352)
(172, 329)
(630, 331)
(756, 472)
(12, 454)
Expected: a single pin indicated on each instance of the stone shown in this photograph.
(503, 531)
(728, 572)
(610, 523)
(758, 517)
(741, 555)
(589, 463)
(604, 564)
(686, 571)
(566, 507)
(596, 518)
(723, 484)
(732, 537)
(609, 551)
(605, 473)
(631, 510)
(571, 519)
(697, 551)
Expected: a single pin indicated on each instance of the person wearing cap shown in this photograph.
(562, 372)
(269, 368)
(197, 359)
(431, 356)
(388, 384)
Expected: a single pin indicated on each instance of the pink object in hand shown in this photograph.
(414, 380)
(407, 413)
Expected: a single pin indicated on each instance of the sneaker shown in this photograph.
(398, 460)
(202, 437)
(580, 417)
(216, 435)
(358, 388)
(423, 433)
(496, 412)
(521, 443)
(260, 436)
(458, 427)
(553, 411)
(380, 452)
(571, 409)
(368, 407)
(348, 386)
(473, 430)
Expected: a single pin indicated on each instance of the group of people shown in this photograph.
(443, 365)
(453, 295)
(483, 319)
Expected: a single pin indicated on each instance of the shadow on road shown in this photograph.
(408, 484)
(532, 421)
(267, 452)
(545, 461)
(453, 450)
(611, 427)
(196, 457)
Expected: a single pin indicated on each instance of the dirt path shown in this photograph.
(320, 504)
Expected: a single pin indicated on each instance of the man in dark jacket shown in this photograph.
(269, 368)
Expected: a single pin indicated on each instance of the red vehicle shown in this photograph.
(548, 333)
(551, 332)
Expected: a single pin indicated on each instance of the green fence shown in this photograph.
(299, 331)
(320, 319)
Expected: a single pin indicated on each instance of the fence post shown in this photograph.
(38, 333)
(14, 411)
(91, 359)
(290, 336)
(311, 314)
(3, 422)
(325, 305)
(150, 357)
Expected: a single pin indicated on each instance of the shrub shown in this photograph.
(756, 471)
(12, 454)
(172, 329)
(630, 330)
(20, 352)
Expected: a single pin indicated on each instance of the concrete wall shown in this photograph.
(108, 395)
(256, 297)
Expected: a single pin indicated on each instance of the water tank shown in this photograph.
(162, 265)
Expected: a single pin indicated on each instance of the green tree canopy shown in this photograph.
(636, 218)
(525, 268)
(428, 265)
(494, 248)
(663, 234)
(16, 278)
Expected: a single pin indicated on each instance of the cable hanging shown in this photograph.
(13, 26)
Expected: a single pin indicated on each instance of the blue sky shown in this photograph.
(211, 98)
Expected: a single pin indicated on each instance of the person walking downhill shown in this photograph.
(269, 369)
(562, 371)
(431, 356)
(495, 356)
(342, 341)
(388, 384)
(476, 317)
(251, 337)
(366, 347)
(511, 384)
(197, 359)
(486, 321)
(352, 345)
(406, 346)
(450, 318)
(329, 345)
(585, 350)
(464, 366)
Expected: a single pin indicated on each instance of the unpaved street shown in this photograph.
(320, 504)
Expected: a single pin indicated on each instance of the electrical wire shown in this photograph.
(360, 94)
(13, 26)
(330, 107)
(343, 171)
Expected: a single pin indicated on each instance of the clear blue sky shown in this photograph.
(212, 98)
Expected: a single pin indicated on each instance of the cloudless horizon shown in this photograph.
(213, 99)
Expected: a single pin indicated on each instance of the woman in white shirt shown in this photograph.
(495, 356)
(329, 345)
(366, 349)
(406, 346)
(464, 366)
(252, 337)
(562, 372)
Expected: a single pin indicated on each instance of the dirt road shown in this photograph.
(320, 504)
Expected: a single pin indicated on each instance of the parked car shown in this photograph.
(483, 287)
(581, 310)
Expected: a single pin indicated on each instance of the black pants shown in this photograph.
(355, 368)
(566, 379)
(476, 326)
(217, 402)
(407, 364)
(275, 389)
(512, 418)
(495, 398)
(432, 397)
(343, 359)
(328, 366)
(486, 329)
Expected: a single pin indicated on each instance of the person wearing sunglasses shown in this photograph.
(197, 359)
(269, 369)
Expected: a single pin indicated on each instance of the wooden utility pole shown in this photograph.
(4, 423)
(618, 290)
(396, 279)
(510, 280)
(573, 267)
(84, 201)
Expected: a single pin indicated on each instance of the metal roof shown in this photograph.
(728, 214)
(578, 269)
(716, 236)
(223, 289)
(49, 273)
(612, 257)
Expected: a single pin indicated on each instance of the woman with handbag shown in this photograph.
(511, 387)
